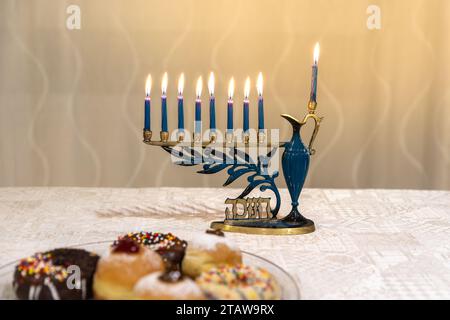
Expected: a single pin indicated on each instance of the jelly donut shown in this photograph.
(209, 250)
(48, 275)
(170, 285)
(240, 282)
(120, 269)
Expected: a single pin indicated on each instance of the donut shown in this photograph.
(209, 250)
(239, 282)
(119, 270)
(59, 274)
(166, 244)
(170, 285)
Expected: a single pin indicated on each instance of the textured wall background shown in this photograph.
(71, 102)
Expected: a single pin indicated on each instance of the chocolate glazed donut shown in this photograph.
(45, 276)
(170, 247)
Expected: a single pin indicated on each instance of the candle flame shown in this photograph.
(316, 53)
(247, 88)
(211, 84)
(165, 80)
(181, 84)
(198, 89)
(259, 84)
(231, 89)
(148, 85)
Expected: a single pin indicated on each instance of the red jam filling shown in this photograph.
(126, 246)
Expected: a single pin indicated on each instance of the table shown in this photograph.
(369, 244)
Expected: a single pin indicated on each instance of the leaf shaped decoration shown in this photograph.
(234, 174)
(238, 163)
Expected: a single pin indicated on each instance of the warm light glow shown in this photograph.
(231, 89)
(164, 82)
(148, 85)
(198, 88)
(211, 84)
(247, 88)
(259, 84)
(181, 84)
(316, 53)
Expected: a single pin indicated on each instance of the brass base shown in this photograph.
(308, 227)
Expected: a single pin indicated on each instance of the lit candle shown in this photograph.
(212, 103)
(246, 104)
(230, 105)
(148, 87)
(259, 88)
(164, 103)
(313, 95)
(180, 102)
(198, 106)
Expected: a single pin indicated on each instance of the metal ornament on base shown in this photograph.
(257, 215)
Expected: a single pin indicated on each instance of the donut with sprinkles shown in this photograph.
(46, 275)
(170, 247)
(239, 282)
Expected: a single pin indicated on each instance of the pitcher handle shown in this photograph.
(317, 121)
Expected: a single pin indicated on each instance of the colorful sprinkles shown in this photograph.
(248, 282)
(41, 265)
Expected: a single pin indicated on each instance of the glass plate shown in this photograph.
(289, 289)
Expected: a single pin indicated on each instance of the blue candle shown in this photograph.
(164, 103)
(212, 103)
(259, 87)
(147, 125)
(230, 115)
(212, 113)
(246, 115)
(246, 104)
(260, 113)
(180, 102)
(198, 106)
(198, 116)
(147, 119)
(180, 113)
(313, 95)
(164, 113)
(230, 105)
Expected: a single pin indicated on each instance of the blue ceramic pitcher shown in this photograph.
(295, 164)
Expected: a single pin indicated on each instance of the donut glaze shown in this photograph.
(155, 240)
(47, 275)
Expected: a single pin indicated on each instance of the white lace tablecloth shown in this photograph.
(369, 244)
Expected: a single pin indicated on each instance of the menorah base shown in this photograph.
(267, 227)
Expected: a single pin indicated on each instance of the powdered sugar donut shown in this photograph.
(170, 285)
(209, 250)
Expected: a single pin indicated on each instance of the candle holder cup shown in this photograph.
(254, 215)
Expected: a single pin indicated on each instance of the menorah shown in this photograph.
(248, 154)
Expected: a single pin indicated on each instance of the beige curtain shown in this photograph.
(71, 101)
